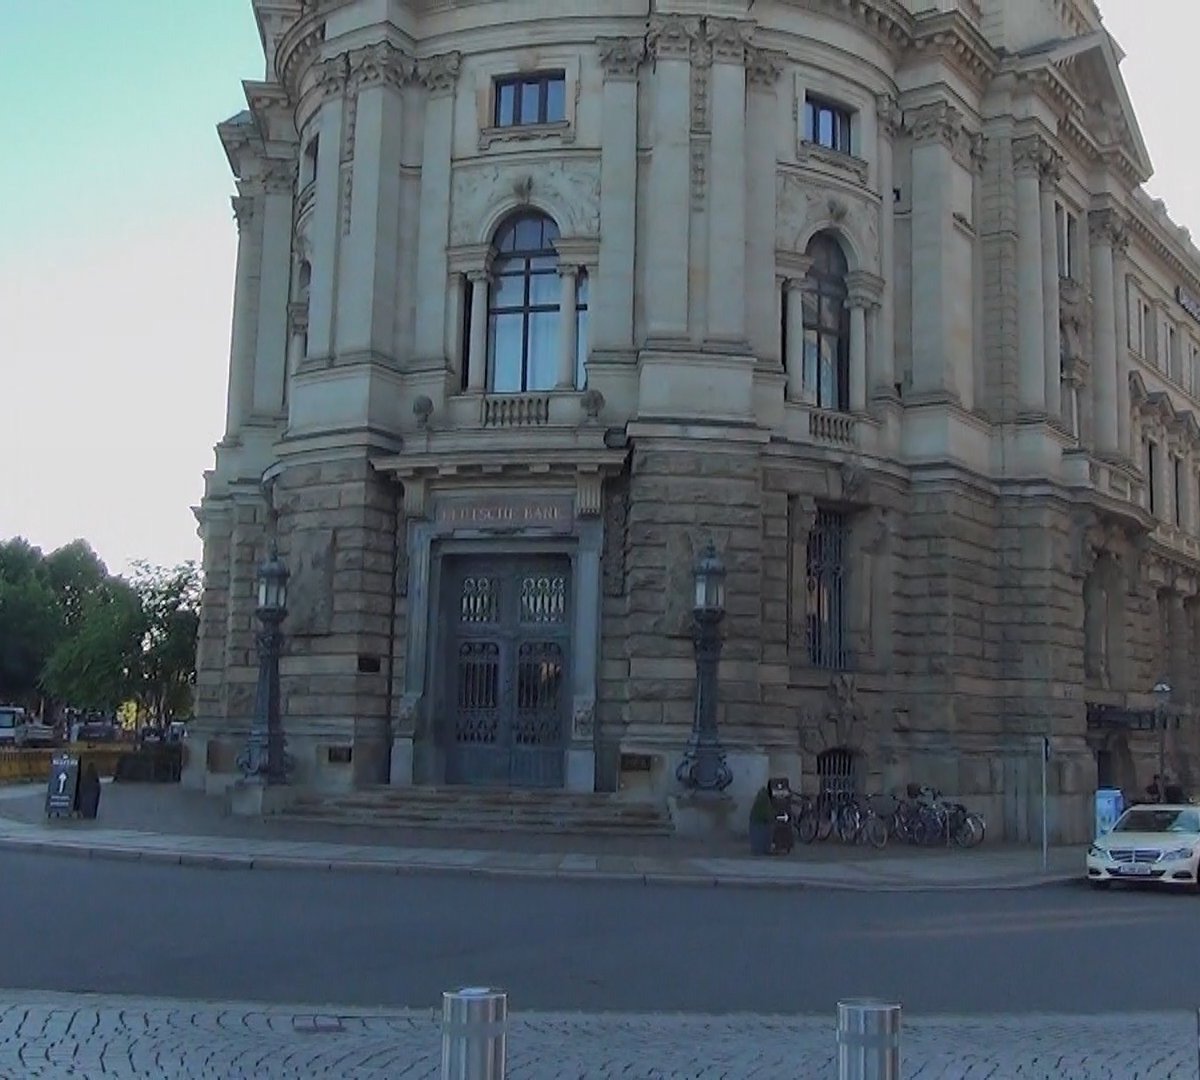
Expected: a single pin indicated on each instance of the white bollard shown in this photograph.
(474, 1034)
(868, 1039)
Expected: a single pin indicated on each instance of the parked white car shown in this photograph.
(12, 717)
(1157, 843)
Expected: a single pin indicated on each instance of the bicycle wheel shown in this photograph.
(824, 823)
(974, 829)
(806, 827)
(874, 832)
(849, 821)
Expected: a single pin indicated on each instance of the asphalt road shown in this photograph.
(70, 924)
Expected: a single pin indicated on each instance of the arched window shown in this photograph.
(826, 376)
(523, 306)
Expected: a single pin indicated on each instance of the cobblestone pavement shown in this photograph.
(45, 1035)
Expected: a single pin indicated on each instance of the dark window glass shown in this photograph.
(827, 124)
(826, 372)
(1177, 465)
(826, 588)
(523, 306)
(1151, 477)
(581, 331)
(531, 99)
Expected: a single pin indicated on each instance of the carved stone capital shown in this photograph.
(764, 66)
(621, 57)
(279, 177)
(332, 76)
(1032, 156)
(439, 74)
(673, 37)
(298, 317)
(727, 40)
(866, 289)
(378, 64)
(1107, 227)
(937, 122)
(243, 210)
(891, 119)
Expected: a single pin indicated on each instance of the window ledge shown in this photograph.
(560, 130)
(810, 153)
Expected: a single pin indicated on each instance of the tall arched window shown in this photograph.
(827, 326)
(523, 306)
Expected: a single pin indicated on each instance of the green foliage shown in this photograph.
(92, 640)
(98, 664)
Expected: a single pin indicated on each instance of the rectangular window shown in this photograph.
(1171, 350)
(1151, 466)
(1067, 229)
(825, 589)
(531, 99)
(827, 124)
(1177, 470)
(1194, 385)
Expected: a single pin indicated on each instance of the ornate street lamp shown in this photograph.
(703, 767)
(1162, 703)
(264, 755)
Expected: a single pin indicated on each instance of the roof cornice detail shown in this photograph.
(952, 37)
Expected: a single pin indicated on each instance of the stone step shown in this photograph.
(490, 810)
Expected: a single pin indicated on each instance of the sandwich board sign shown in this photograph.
(62, 789)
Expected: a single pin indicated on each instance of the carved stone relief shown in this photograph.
(568, 190)
(313, 555)
(804, 209)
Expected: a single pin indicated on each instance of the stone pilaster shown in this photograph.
(1106, 408)
(763, 70)
(612, 321)
(1029, 155)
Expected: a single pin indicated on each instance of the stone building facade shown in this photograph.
(531, 304)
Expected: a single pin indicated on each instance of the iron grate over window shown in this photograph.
(826, 588)
(836, 772)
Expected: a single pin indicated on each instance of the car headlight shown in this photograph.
(1097, 852)
(1178, 853)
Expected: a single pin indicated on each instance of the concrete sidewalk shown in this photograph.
(235, 844)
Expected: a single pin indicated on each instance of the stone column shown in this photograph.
(1125, 436)
(297, 335)
(884, 375)
(274, 285)
(936, 129)
(568, 276)
(1105, 408)
(763, 68)
(794, 313)
(477, 365)
(326, 231)
(726, 305)
(371, 244)
(455, 316)
(611, 323)
(240, 397)
(858, 353)
(668, 211)
(440, 76)
(1028, 155)
(1051, 172)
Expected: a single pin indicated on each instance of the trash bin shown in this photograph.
(1110, 805)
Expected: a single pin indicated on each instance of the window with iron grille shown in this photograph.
(836, 772)
(826, 588)
(531, 99)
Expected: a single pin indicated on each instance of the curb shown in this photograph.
(229, 861)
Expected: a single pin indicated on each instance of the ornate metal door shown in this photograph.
(506, 666)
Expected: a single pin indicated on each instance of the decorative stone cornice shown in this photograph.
(764, 66)
(440, 73)
(379, 64)
(1052, 166)
(727, 39)
(673, 37)
(865, 289)
(621, 57)
(952, 39)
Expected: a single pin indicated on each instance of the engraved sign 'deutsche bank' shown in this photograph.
(506, 512)
(1189, 301)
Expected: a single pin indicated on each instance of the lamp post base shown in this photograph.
(703, 814)
(253, 796)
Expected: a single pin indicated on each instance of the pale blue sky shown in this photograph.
(117, 248)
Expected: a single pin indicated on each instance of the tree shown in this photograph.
(76, 574)
(170, 602)
(98, 664)
(30, 627)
